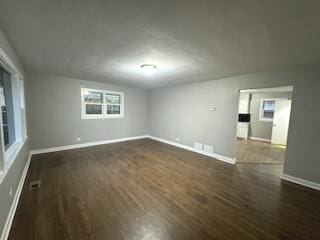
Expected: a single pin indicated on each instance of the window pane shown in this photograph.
(109, 109)
(113, 109)
(268, 114)
(6, 102)
(116, 109)
(92, 97)
(6, 136)
(113, 98)
(268, 109)
(268, 105)
(93, 109)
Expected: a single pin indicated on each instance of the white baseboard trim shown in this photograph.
(14, 205)
(213, 155)
(301, 181)
(89, 144)
(261, 139)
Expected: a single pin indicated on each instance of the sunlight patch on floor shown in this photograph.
(281, 146)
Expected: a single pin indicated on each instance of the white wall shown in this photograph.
(55, 112)
(262, 129)
(244, 103)
(13, 175)
(184, 112)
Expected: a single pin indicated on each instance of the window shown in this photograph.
(267, 110)
(101, 104)
(6, 103)
(13, 128)
(12, 114)
(93, 103)
(113, 103)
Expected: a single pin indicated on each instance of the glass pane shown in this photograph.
(268, 109)
(92, 97)
(113, 109)
(268, 114)
(116, 109)
(6, 136)
(93, 109)
(109, 109)
(113, 98)
(268, 105)
(6, 105)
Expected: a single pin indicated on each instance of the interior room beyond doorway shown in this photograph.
(263, 125)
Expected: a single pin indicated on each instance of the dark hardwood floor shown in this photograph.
(149, 190)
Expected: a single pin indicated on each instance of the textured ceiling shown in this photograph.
(188, 40)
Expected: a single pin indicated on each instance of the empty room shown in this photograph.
(159, 120)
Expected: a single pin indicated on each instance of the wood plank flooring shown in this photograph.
(149, 190)
(252, 151)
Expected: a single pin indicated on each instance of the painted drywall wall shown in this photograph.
(13, 175)
(55, 112)
(244, 103)
(184, 112)
(262, 129)
(12, 180)
(6, 47)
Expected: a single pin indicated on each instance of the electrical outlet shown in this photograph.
(198, 146)
(178, 139)
(207, 148)
(78, 139)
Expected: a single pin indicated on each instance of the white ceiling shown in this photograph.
(188, 40)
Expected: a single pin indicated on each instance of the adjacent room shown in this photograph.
(263, 125)
(159, 120)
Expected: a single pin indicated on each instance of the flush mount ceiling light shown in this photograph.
(148, 68)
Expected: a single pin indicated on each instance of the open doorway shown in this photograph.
(263, 125)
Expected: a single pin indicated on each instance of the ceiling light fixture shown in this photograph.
(148, 68)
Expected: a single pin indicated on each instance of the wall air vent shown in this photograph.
(34, 184)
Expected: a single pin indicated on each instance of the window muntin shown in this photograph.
(98, 104)
(267, 110)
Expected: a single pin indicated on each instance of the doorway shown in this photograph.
(263, 125)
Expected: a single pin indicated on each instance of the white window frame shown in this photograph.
(83, 105)
(10, 154)
(104, 114)
(261, 111)
(121, 115)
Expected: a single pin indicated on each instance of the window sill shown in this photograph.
(265, 120)
(12, 152)
(102, 118)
